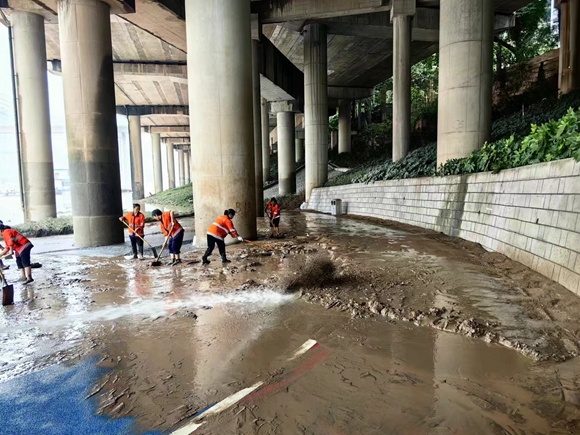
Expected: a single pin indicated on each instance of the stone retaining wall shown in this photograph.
(531, 214)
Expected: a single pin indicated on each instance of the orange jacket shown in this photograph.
(16, 241)
(222, 227)
(165, 225)
(273, 210)
(136, 223)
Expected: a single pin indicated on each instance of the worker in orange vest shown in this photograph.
(136, 222)
(273, 212)
(19, 245)
(172, 229)
(216, 234)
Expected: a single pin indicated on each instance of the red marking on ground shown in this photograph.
(302, 369)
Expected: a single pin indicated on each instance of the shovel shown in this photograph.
(157, 263)
(7, 291)
(145, 241)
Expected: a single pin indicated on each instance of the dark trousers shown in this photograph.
(211, 242)
(136, 241)
(174, 243)
(23, 259)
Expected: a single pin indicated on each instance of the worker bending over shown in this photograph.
(216, 234)
(136, 222)
(171, 229)
(19, 245)
(272, 210)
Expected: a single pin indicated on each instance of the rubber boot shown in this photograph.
(225, 260)
(205, 261)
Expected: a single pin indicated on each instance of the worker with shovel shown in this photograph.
(135, 221)
(273, 212)
(216, 234)
(19, 245)
(173, 233)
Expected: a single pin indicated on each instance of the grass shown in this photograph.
(181, 197)
(47, 227)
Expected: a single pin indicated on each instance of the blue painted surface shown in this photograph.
(52, 402)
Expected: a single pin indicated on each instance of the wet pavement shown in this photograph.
(416, 333)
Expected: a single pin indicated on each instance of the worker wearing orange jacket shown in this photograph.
(136, 222)
(216, 234)
(173, 230)
(273, 212)
(19, 245)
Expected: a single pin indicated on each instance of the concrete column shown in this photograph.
(137, 182)
(315, 106)
(333, 140)
(170, 165)
(401, 86)
(257, 105)
(286, 153)
(569, 46)
(91, 123)
(219, 56)
(465, 77)
(265, 141)
(299, 149)
(344, 126)
(157, 168)
(181, 166)
(34, 116)
(187, 167)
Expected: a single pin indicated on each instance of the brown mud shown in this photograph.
(402, 314)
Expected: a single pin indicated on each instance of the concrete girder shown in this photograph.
(152, 129)
(49, 7)
(176, 140)
(152, 110)
(349, 93)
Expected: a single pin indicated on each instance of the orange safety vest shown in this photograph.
(136, 223)
(16, 240)
(222, 227)
(165, 225)
(274, 210)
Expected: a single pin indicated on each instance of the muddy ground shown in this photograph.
(418, 333)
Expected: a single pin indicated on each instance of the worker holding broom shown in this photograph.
(173, 231)
(135, 220)
(216, 234)
(19, 245)
(272, 210)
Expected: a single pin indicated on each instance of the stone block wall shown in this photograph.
(531, 214)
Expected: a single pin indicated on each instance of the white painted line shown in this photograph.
(217, 408)
(303, 349)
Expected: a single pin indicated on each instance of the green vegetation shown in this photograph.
(180, 197)
(549, 130)
(47, 227)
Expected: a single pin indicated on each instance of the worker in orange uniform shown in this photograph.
(272, 210)
(172, 229)
(216, 234)
(19, 245)
(136, 222)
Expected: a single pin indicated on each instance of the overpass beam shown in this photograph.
(465, 77)
(222, 126)
(34, 116)
(170, 165)
(157, 166)
(265, 141)
(137, 183)
(401, 16)
(344, 126)
(257, 106)
(315, 106)
(91, 125)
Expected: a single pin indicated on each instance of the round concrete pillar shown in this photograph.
(265, 141)
(219, 61)
(401, 86)
(187, 167)
(299, 150)
(286, 153)
(157, 168)
(91, 123)
(181, 166)
(344, 126)
(170, 165)
(259, 176)
(137, 181)
(315, 106)
(465, 77)
(34, 116)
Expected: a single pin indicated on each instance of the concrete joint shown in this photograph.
(403, 8)
(284, 106)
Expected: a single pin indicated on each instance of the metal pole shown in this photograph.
(16, 119)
